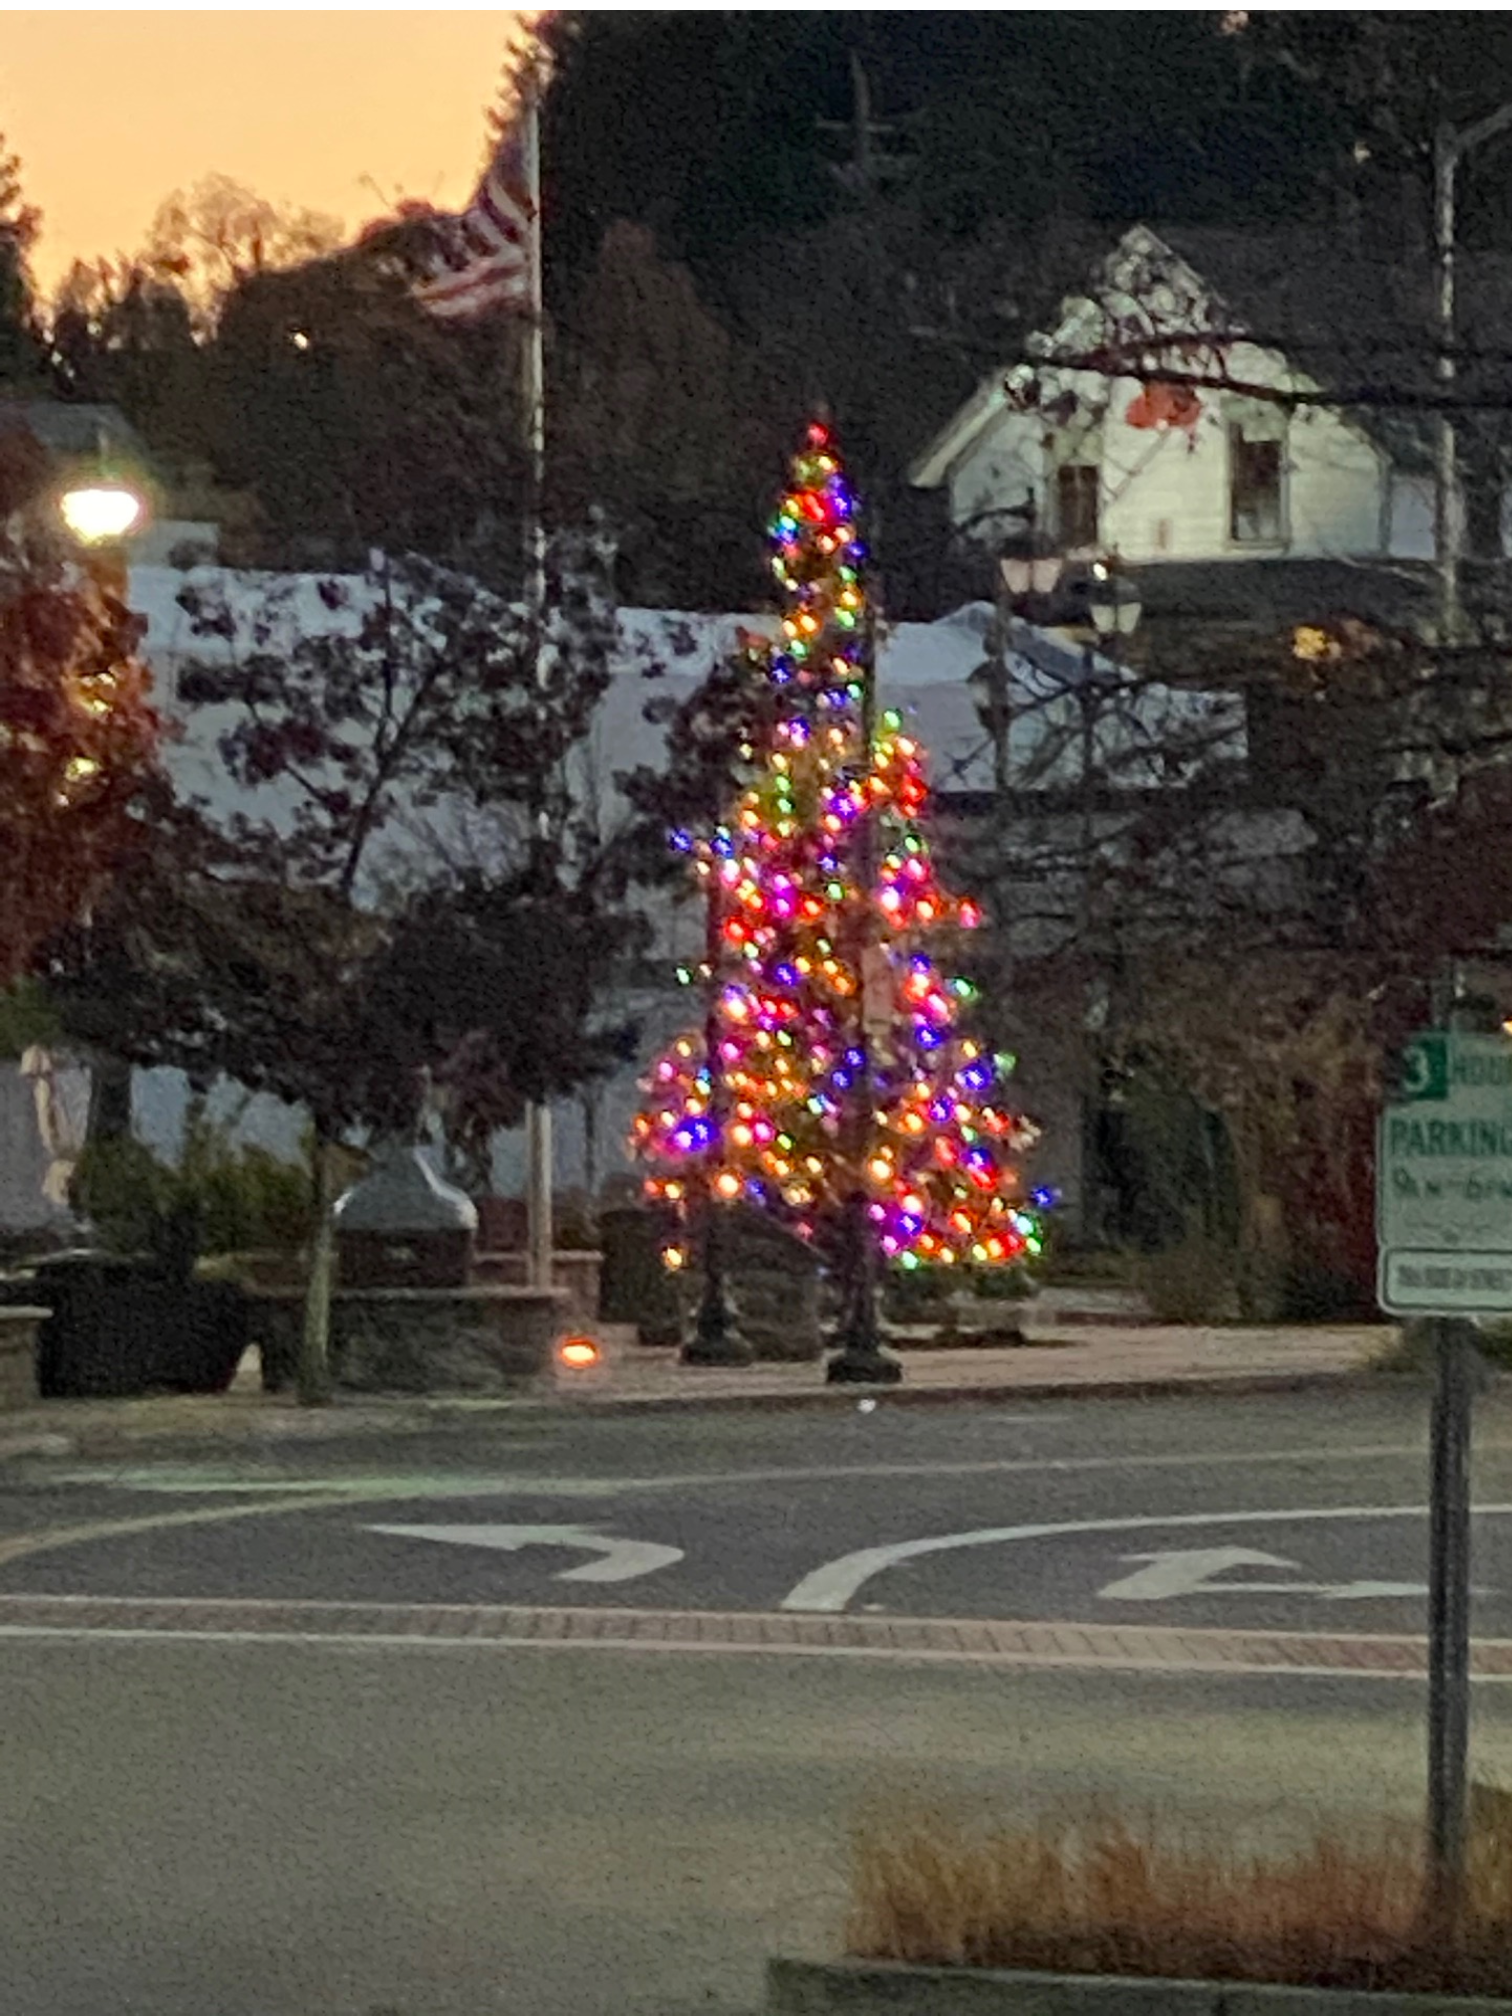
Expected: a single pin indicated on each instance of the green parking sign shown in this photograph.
(1444, 1177)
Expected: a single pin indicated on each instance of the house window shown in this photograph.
(1255, 466)
(1076, 506)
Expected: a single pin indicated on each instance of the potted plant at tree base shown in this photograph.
(1102, 1917)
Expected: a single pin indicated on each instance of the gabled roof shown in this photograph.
(1112, 289)
(935, 462)
(1360, 325)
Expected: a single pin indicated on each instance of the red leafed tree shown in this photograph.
(78, 734)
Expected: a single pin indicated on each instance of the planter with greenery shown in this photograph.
(140, 1311)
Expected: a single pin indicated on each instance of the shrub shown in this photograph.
(255, 1202)
(220, 1199)
(1105, 1897)
(125, 1192)
(1194, 1282)
(919, 1294)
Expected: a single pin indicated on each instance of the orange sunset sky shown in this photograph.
(109, 112)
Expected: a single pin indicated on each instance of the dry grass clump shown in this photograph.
(1104, 1897)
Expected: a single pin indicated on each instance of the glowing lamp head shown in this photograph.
(96, 514)
(578, 1353)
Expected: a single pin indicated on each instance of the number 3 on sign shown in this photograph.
(1417, 1071)
(1424, 1069)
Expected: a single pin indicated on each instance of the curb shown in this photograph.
(442, 1417)
(893, 1988)
(1171, 1386)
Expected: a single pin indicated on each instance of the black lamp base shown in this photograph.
(854, 1365)
(716, 1341)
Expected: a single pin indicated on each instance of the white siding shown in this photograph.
(1335, 484)
(1004, 466)
(1411, 533)
(1165, 490)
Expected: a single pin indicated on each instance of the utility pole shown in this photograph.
(869, 163)
(1450, 146)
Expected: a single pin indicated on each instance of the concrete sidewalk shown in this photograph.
(1089, 1358)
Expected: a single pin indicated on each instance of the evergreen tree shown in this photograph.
(832, 1066)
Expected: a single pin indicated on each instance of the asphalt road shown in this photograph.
(1272, 1513)
(297, 1823)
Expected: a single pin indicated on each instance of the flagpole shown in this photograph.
(538, 1147)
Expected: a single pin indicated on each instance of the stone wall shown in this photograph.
(18, 1356)
(479, 1340)
(576, 1272)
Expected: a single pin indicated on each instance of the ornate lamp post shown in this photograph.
(1114, 608)
(860, 1359)
(100, 511)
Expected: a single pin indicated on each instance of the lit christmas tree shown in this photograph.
(830, 1082)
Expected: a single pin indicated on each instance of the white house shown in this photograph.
(1210, 397)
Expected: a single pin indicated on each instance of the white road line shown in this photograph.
(182, 1482)
(831, 1587)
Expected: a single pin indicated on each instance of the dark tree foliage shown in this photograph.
(361, 422)
(122, 337)
(710, 737)
(79, 736)
(21, 355)
(1377, 86)
(665, 424)
(719, 150)
(283, 944)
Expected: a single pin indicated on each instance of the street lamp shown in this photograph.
(100, 513)
(860, 1359)
(1114, 608)
(1113, 602)
(100, 509)
(1032, 569)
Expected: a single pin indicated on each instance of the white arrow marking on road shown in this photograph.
(832, 1586)
(1192, 1571)
(1189, 1572)
(1360, 1590)
(622, 1560)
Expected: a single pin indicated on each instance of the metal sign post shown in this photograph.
(1444, 1227)
(1449, 1619)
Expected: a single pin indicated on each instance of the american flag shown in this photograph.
(483, 257)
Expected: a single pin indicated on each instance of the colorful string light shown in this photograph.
(806, 938)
